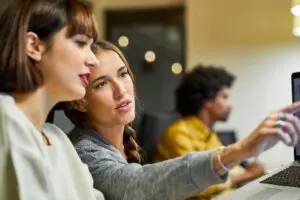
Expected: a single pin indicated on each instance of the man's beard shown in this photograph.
(225, 116)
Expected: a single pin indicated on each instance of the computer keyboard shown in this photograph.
(287, 177)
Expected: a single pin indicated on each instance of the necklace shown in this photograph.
(46, 139)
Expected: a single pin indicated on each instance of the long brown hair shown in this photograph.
(131, 147)
(19, 73)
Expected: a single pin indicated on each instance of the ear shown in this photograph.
(34, 47)
(207, 104)
(80, 105)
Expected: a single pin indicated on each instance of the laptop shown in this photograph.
(281, 184)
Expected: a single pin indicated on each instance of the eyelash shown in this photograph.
(101, 85)
(124, 74)
(81, 43)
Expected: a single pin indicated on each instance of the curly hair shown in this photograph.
(131, 147)
(199, 85)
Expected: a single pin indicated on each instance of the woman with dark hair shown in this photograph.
(105, 142)
(45, 58)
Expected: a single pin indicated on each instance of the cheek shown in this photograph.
(219, 107)
(129, 86)
(70, 56)
(98, 108)
(101, 101)
(226, 104)
(75, 60)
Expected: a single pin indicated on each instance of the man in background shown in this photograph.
(202, 100)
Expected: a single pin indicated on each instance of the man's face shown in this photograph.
(219, 108)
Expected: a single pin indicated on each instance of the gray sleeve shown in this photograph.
(169, 180)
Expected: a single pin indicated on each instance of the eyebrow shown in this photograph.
(100, 78)
(121, 69)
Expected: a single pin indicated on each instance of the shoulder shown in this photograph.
(90, 147)
(86, 139)
(91, 152)
(11, 117)
(6, 99)
(54, 130)
(8, 107)
(177, 128)
(58, 137)
(4, 137)
(176, 134)
(88, 143)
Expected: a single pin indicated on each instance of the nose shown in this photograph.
(91, 60)
(229, 105)
(119, 90)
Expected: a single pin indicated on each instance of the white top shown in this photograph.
(31, 170)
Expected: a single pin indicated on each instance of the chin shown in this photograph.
(224, 119)
(128, 118)
(75, 93)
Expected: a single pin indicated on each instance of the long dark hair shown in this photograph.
(131, 147)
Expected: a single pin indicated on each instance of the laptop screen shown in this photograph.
(296, 97)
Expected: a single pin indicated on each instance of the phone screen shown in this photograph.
(296, 97)
(296, 90)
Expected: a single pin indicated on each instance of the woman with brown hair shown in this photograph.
(45, 58)
(105, 142)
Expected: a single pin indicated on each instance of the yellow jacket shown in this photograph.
(187, 135)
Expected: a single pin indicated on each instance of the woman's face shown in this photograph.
(110, 94)
(65, 65)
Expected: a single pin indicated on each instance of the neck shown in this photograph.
(207, 119)
(112, 134)
(35, 105)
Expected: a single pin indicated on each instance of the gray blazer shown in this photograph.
(173, 179)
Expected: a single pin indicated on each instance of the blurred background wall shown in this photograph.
(254, 40)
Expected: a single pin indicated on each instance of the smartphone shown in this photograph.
(295, 78)
(296, 90)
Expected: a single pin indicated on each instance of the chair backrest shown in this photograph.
(227, 137)
(59, 118)
(151, 130)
